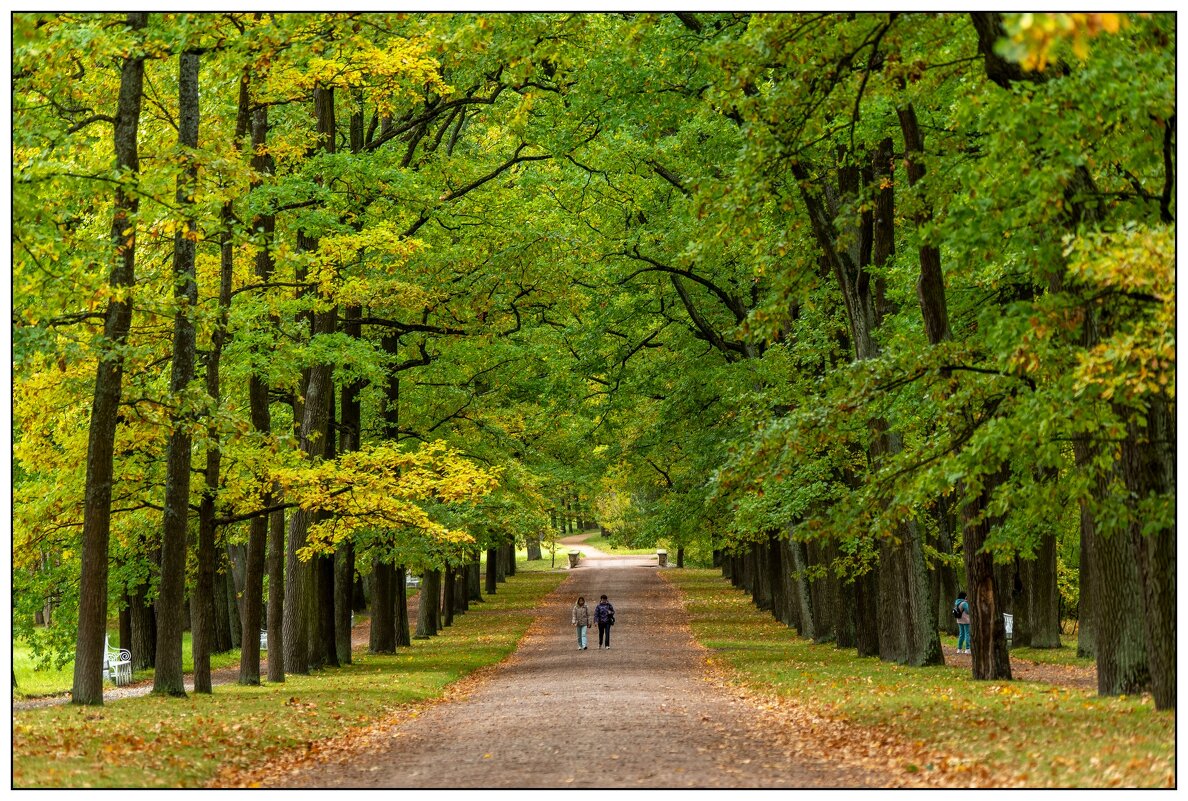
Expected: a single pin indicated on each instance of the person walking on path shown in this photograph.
(581, 619)
(961, 612)
(604, 616)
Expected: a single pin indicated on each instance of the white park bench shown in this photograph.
(117, 664)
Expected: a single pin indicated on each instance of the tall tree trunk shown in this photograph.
(427, 608)
(492, 569)
(447, 596)
(945, 575)
(300, 611)
(866, 613)
(261, 417)
(297, 580)
(167, 677)
(823, 593)
(1043, 595)
(474, 582)
(1087, 598)
(533, 544)
(328, 645)
(235, 623)
(323, 650)
(1148, 468)
(344, 584)
(144, 629)
(1122, 666)
(221, 639)
(207, 529)
(908, 630)
(511, 558)
(383, 626)
(501, 564)
(781, 586)
(237, 571)
(276, 593)
(987, 632)
(461, 590)
(92, 619)
(400, 593)
(761, 594)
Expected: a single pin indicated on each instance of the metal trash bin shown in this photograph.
(574, 556)
(1008, 621)
(662, 557)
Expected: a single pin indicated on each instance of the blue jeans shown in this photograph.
(604, 634)
(962, 635)
(581, 636)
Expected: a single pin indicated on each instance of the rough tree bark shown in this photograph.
(447, 596)
(259, 547)
(400, 593)
(167, 676)
(427, 608)
(314, 410)
(907, 621)
(492, 570)
(1148, 467)
(987, 632)
(474, 581)
(383, 626)
(92, 623)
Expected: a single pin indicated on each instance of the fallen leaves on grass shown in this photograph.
(281, 765)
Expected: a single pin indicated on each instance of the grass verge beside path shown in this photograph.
(1016, 733)
(168, 742)
(34, 683)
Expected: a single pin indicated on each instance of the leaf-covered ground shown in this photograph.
(1045, 729)
(699, 690)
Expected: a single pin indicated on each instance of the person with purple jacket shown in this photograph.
(604, 616)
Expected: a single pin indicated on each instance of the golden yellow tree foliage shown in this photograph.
(1033, 35)
(384, 487)
(1139, 356)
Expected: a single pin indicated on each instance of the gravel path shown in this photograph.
(641, 714)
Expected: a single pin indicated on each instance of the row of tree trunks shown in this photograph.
(907, 622)
(1127, 615)
(167, 676)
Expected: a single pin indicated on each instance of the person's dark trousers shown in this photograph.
(604, 634)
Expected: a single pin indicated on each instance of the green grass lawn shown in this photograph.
(169, 742)
(596, 540)
(1030, 734)
(33, 683)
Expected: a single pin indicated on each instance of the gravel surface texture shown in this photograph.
(640, 714)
